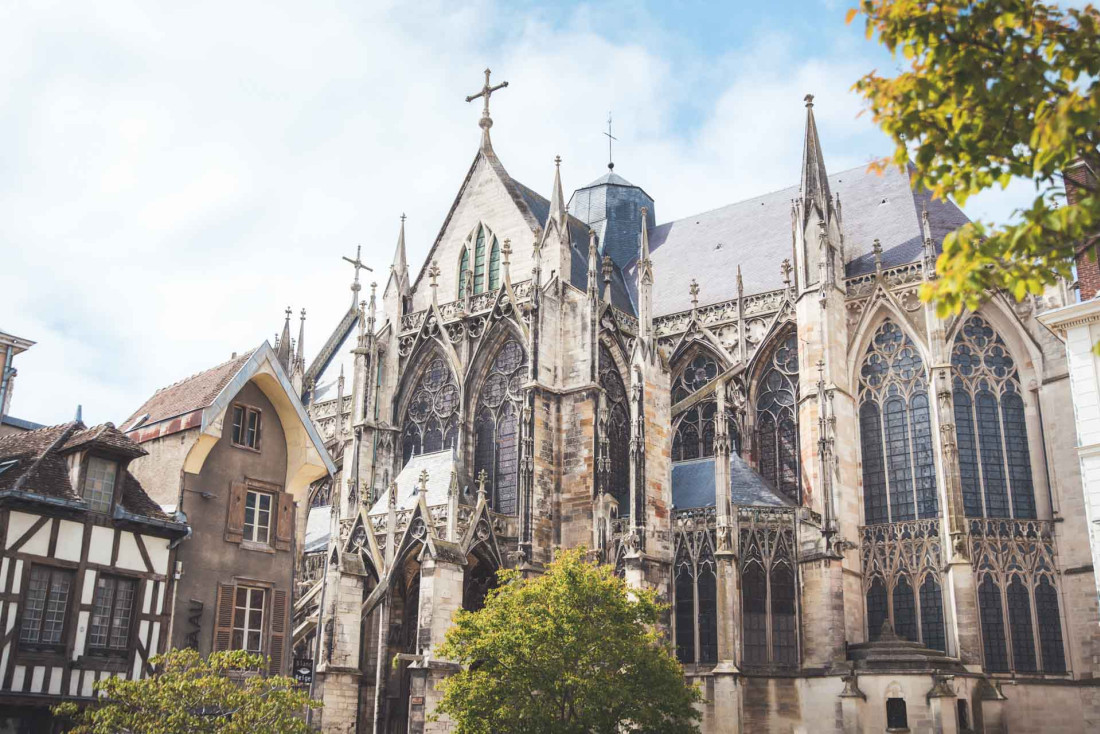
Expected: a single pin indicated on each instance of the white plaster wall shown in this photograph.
(1084, 371)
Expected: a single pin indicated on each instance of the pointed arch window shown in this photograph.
(694, 434)
(496, 426)
(899, 472)
(617, 428)
(463, 266)
(768, 593)
(696, 604)
(431, 419)
(479, 261)
(494, 266)
(777, 419)
(994, 458)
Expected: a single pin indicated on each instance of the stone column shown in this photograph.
(339, 664)
(941, 702)
(440, 597)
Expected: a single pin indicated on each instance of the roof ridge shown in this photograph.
(22, 435)
(177, 383)
(773, 192)
(62, 437)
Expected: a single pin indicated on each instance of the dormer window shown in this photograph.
(99, 483)
(246, 427)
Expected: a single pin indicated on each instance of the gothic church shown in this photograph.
(864, 517)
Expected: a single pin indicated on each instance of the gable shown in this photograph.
(507, 209)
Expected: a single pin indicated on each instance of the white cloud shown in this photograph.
(172, 176)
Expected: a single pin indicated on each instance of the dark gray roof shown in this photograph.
(611, 206)
(756, 234)
(693, 485)
(440, 465)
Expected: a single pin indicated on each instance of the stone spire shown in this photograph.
(593, 266)
(814, 189)
(607, 268)
(301, 355)
(645, 281)
(283, 351)
(558, 211)
(400, 261)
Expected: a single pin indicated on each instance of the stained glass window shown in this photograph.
(494, 266)
(1019, 618)
(694, 436)
(899, 472)
(685, 615)
(754, 606)
(479, 261)
(877, 611)
(618, 429)
(431, 418)
(993, 626)
(931, 615)
(784, 621)
(496, 426)
(768, 595)
(994, 455)
(777, 419)
(905, 611)
(463, 266)
(1050, 627)
(708, 614)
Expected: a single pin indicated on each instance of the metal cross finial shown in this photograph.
(402, 217)
(693, 289)
(288, 312)
(610, 137)
(486, 92)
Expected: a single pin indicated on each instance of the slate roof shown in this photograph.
(41, 467)
(440, 465)
(693, 485)
(756, 234)
(318, 529)
(192, 393)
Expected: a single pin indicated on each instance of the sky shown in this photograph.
(174, 175)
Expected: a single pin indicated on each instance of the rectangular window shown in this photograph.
(45, 608)
(99, 483)
(246, 427)
(248, 619)
(112, 608)
(257, 516)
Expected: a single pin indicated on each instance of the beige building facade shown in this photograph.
(863, 516)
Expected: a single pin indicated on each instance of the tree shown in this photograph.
(216, 695)
(572, 650)
(993, 90)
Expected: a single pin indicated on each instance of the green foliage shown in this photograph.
(216, 695)
(991, 90)
(572, 650)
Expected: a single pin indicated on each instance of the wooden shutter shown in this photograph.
(234, 519)
(284, 524)
(223, 617)
(278, 631)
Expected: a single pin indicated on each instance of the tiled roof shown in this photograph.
(693, 485)
(193, 393)
(756, 234)
(41, 466)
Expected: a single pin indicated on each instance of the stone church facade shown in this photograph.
(862, 516)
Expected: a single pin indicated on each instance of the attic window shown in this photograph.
(5, 465)
(99, 483)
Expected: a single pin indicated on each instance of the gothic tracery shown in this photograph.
(777, 418)
(496, 426)
(432, 416)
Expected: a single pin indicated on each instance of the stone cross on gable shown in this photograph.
(486, 122)
(357, 263)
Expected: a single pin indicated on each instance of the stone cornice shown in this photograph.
(1065, 318)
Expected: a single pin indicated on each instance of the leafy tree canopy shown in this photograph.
(187, 693)
(990, 90)
(572, 651)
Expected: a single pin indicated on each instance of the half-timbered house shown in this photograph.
(87, 569)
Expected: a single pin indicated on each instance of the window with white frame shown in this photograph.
(257, 516)
(248, 619)
(99, 483)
